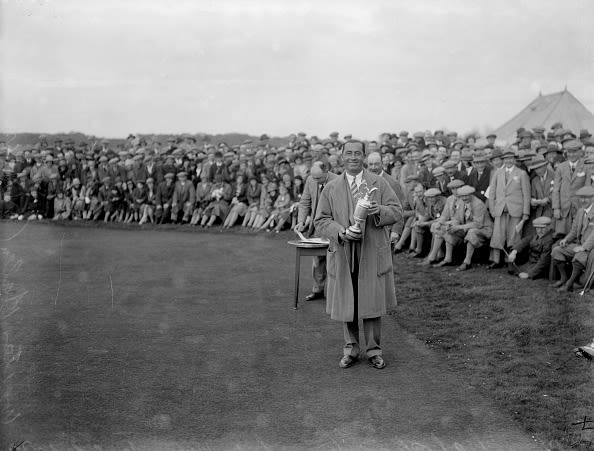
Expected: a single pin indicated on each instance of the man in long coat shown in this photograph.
(360, 282)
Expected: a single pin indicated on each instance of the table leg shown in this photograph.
(297, 268)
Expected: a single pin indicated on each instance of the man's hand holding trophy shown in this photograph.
(364, 207)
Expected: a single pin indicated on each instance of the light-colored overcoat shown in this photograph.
(375, 280)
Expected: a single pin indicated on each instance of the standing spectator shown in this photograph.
(509, 203)
(480, 175)
(570, 176)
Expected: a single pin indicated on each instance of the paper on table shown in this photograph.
(311, 240)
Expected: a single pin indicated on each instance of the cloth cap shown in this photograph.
(76, 181)
(465, 190)
(438, 171)
(537, 162)
(589, 160)
(524, 155)
(106, 179)
(448, 164)
(403, 133)
(271, 187)
(497, 153)
(480, 156)
(114, 161)
(411, 178)
(182, 174)
(542, 221)
(508, 153)
(455, 184)
(585, 191)
(169, 175)
(552, 148)
(491, 135)
(102, 158)
(573, 145)
(432, 192)
(466, 155)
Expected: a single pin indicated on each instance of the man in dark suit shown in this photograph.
(480, 175)
(314, 184)
(578, 243)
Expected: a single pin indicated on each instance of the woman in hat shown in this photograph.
(280, 213)
(91, 193)
(78, 199)
(238, 203)
(139, 197)
(128, 200)
(147, 213)
(253, 193)
(62, 206)
(267, 199)
(298, 188)
(115, 202)
(218, 207)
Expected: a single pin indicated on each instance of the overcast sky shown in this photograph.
(114, 67)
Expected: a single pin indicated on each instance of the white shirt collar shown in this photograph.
(358, 178)
(587, 210)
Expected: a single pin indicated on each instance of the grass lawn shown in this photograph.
(511, 339)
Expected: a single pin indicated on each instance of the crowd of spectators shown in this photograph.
(446, 179)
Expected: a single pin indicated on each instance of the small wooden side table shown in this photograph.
(305, 249)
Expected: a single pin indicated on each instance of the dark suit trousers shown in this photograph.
(371, 326)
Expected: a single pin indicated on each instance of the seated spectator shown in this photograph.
(218, 206)
(115, 204)
(77, 195)
(62, 206)
(421, 227)
(471, 224)
(280, 213)
(531, 256)
(8, 209)
(184, 197)
(442, 224)
(202, 199)
(578, 243)
(33, 208)
(253, 194)
(412, 190)
(164, 198)
(267, 199)
(139, 198)
(147, 213)
(238, 202)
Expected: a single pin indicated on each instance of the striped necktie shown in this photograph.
(354, 190)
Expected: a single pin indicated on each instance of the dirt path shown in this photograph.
(169, 340)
